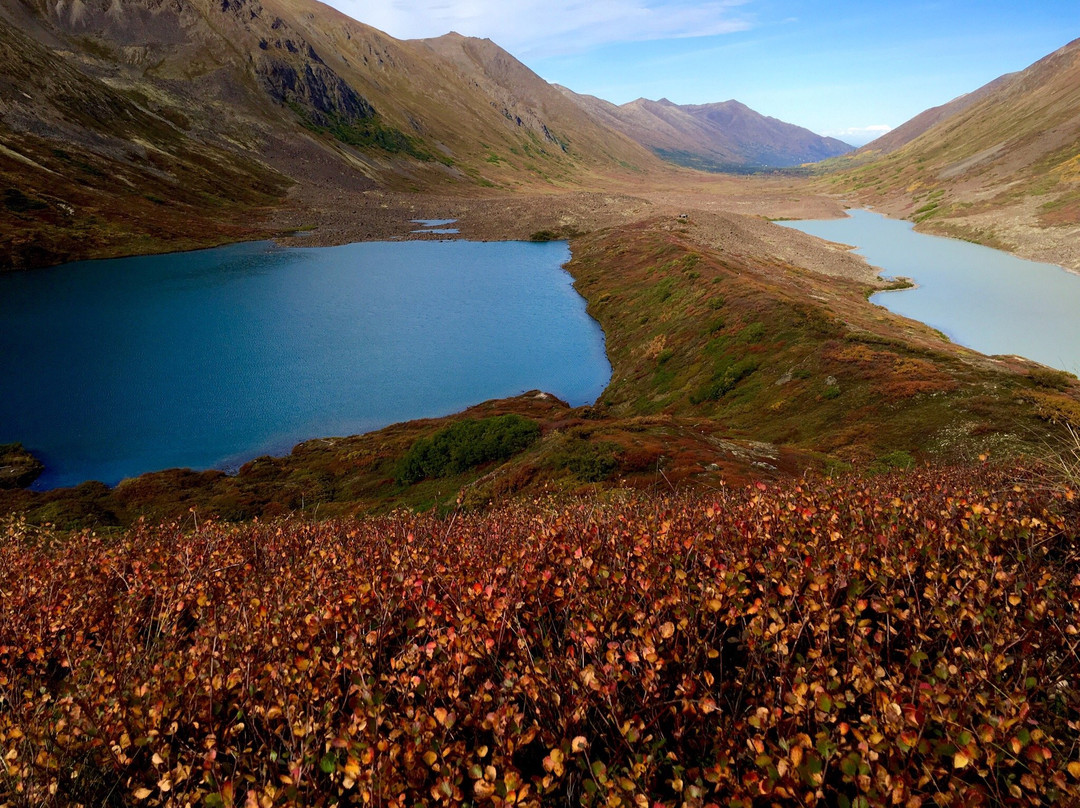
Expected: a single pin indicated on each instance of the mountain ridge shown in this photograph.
(726, 135)
(900, 136)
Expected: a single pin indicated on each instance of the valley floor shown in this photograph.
(329, 212)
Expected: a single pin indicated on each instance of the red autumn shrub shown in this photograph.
(902, 640)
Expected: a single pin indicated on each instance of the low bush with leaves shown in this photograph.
(829, 642)
(466, 444)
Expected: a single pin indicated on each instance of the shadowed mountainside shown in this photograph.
(87, 168)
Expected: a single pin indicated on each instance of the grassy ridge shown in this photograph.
(795, 358)
(893, 641)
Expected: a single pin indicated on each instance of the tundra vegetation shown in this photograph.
(905, 639)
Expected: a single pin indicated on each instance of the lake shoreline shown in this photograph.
(937, 232)
(985, 299)
(209, 359)
(738, 371)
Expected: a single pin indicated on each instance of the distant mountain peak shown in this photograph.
(724, 135)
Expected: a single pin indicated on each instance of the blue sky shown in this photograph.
(842, 68)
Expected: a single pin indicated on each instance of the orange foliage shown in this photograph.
(813, 643)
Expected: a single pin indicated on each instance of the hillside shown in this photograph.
(726, 136)
(132, 126)
(85, 169)
(532, 104)
(1002, 169)
(905, 133)
(903, 640)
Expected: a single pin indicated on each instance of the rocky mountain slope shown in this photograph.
(1002, 169)
(87, 167)
(130, 123)
(727, 136)
(905, 133)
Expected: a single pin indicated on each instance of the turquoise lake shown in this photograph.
(979, 297)
(208, 359)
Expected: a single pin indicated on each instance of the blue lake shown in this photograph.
(208, 359)
(979, 297)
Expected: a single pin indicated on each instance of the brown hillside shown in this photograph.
(552, 123)
(905, 133)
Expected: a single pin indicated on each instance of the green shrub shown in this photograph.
(752, 333)
(589, 462)
(564, 233)
(727, 375)
(893, 460)
(466, 444)
(1053, 379)
(836, 468)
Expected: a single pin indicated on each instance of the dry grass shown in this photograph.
(1061, 465)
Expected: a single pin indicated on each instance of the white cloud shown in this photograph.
(859, 135)
(549, 27)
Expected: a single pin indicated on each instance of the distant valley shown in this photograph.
(1000, 165)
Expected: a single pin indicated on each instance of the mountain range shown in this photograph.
(726, 136)
(129, 125)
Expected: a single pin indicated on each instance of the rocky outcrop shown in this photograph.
(18, 468)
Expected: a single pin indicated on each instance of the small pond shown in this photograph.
(436, 226)
(207, 359)
(979, 297)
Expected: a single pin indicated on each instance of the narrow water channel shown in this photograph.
(979, 297)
